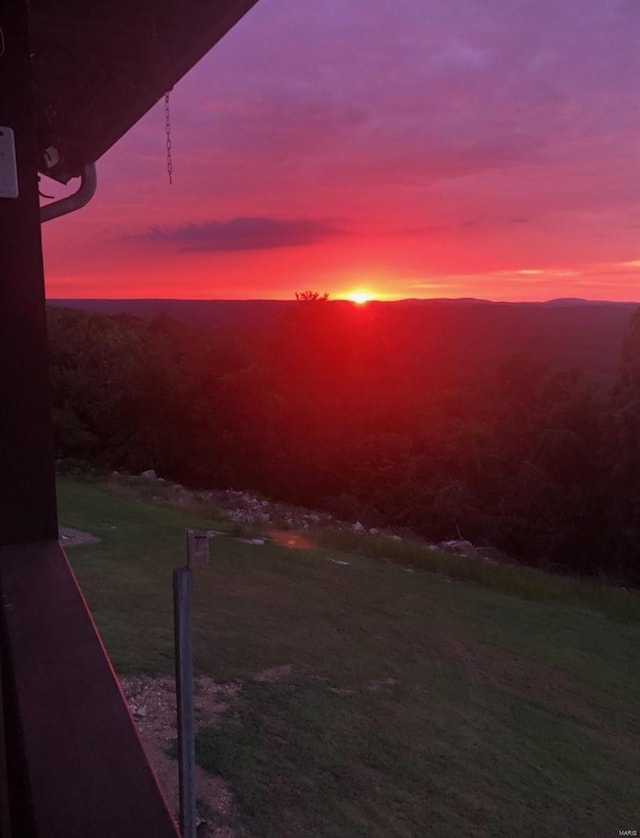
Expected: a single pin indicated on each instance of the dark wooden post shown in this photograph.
(74, 763)
(27, 488)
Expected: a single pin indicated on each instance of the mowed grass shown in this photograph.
(377, 700)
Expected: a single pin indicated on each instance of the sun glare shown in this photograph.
(360, 297)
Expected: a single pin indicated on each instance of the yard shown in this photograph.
(372, 699)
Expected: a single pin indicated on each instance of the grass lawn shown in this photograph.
(375, 700)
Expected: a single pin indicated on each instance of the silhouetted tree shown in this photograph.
(311, 296)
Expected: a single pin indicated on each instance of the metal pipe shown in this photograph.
(79, 199)
(182, 611)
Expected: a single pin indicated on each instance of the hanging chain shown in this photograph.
(167, 128)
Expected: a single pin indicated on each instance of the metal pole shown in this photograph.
(182, 608)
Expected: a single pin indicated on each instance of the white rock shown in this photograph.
(459, 546)
(357, 527)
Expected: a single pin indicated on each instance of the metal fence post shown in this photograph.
(197, 554)
(182, 609)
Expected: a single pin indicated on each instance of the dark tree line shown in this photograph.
(352, 411)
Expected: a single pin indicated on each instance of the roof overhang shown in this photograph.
(99, 67)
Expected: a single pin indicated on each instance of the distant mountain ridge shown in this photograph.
(565, 332)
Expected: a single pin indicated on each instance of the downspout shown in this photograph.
(79, 199)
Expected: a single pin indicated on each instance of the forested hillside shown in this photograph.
(568, 333)
(372, 413)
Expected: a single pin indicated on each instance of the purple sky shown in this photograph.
(486, 148)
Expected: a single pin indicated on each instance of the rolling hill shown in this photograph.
(566, 333)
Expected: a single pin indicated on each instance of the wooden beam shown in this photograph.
(79, 765)
(27, 488)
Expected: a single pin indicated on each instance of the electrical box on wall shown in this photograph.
(8, 170)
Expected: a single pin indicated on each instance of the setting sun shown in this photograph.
(359, 297)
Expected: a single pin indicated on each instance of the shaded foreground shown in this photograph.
(372, 700)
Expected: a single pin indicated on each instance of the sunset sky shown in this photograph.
(414, 148)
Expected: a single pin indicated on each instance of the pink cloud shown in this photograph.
(451, 138)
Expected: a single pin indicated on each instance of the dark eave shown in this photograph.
(99, 67)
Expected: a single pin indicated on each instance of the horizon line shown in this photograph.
(589, 300)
